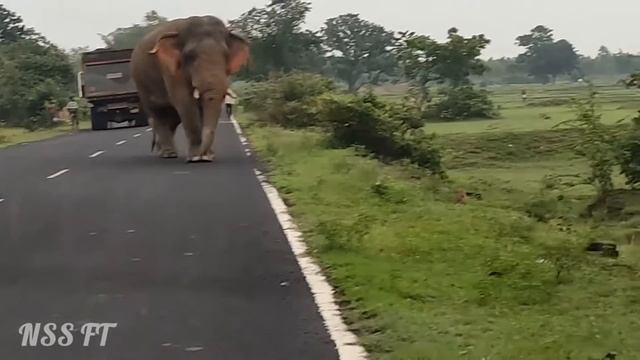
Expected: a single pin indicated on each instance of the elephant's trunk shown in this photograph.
(211, 108)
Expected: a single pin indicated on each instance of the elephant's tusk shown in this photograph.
(196, 94)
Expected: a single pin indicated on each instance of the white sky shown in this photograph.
(586, 23)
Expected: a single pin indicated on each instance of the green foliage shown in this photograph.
(426, 279)
(287, 100)
(12, 29)
(462, 102)
(550, 203)
(597, 143)
(128, 37)
(633, 80)
(424, 60)
(544, 57)
(36, 76)
(605, 64)
(362, 49)
(368, 122)
(278, 43)
(629, 154)
(389, 130)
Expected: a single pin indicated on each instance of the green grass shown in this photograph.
(547, 105)
(413, 267)
(13, 135)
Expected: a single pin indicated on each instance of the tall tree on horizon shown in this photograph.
(278, 42)
(358, 48)
(545, 57)
(128, 37)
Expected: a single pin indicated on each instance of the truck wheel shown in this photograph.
(99, 124)
(142, 121)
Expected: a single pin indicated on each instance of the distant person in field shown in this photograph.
(229, 101)
(524, 95)
(72, 108)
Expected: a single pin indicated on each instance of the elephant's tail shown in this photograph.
(153, 140)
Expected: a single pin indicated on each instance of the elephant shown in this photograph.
(181, 71)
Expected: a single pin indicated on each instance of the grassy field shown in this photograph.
(546, 106)
(421, 277)
(12, 135)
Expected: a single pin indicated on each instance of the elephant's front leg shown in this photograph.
(163, 128)
(190, 115)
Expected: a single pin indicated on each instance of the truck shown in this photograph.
(105, 82)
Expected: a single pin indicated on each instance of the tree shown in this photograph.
(505, 71)
(545, 58)
(12, 28)
(29, 73)
(424, 60)
(33, 72)
(75, 57)
(128, 37)
(539, 36)
(360, 48)
(634, 80)
(603, 51)
(278, 43)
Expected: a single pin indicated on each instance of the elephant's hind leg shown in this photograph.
(165, 123)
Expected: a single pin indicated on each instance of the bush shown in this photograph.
(31, 75)
(42, 103)
(288, 100)
(387, 131)
(462, 103)
(629, 155)
(392, 131)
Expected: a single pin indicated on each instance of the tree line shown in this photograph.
(36, 77)
(348, 48)
(360, 52)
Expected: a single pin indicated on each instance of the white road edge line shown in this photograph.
(345, 341)
(137, 135)
(149, 130)
(236, 126)
(61, 172)
(96, 154)
(121, 142)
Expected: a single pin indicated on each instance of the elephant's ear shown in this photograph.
(238, 52)
(167, 51)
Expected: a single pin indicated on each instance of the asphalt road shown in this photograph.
(188, 260)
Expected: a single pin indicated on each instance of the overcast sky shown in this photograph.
(586, 23)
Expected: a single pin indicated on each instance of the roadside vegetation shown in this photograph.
(37, 81)
(488, 261)
(516, 237)
(457, 218)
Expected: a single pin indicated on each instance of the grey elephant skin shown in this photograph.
(182, 71)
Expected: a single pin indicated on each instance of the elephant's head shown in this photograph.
(202, 53)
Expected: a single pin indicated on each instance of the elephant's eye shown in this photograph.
(188, 57)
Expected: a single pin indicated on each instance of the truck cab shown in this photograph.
(105, 82)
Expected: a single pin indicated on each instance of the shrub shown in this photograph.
(629, 155)
(596, 143)
(32, 74)
(42, 103)
(462, 103)
(288, 100)
(385, 130)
